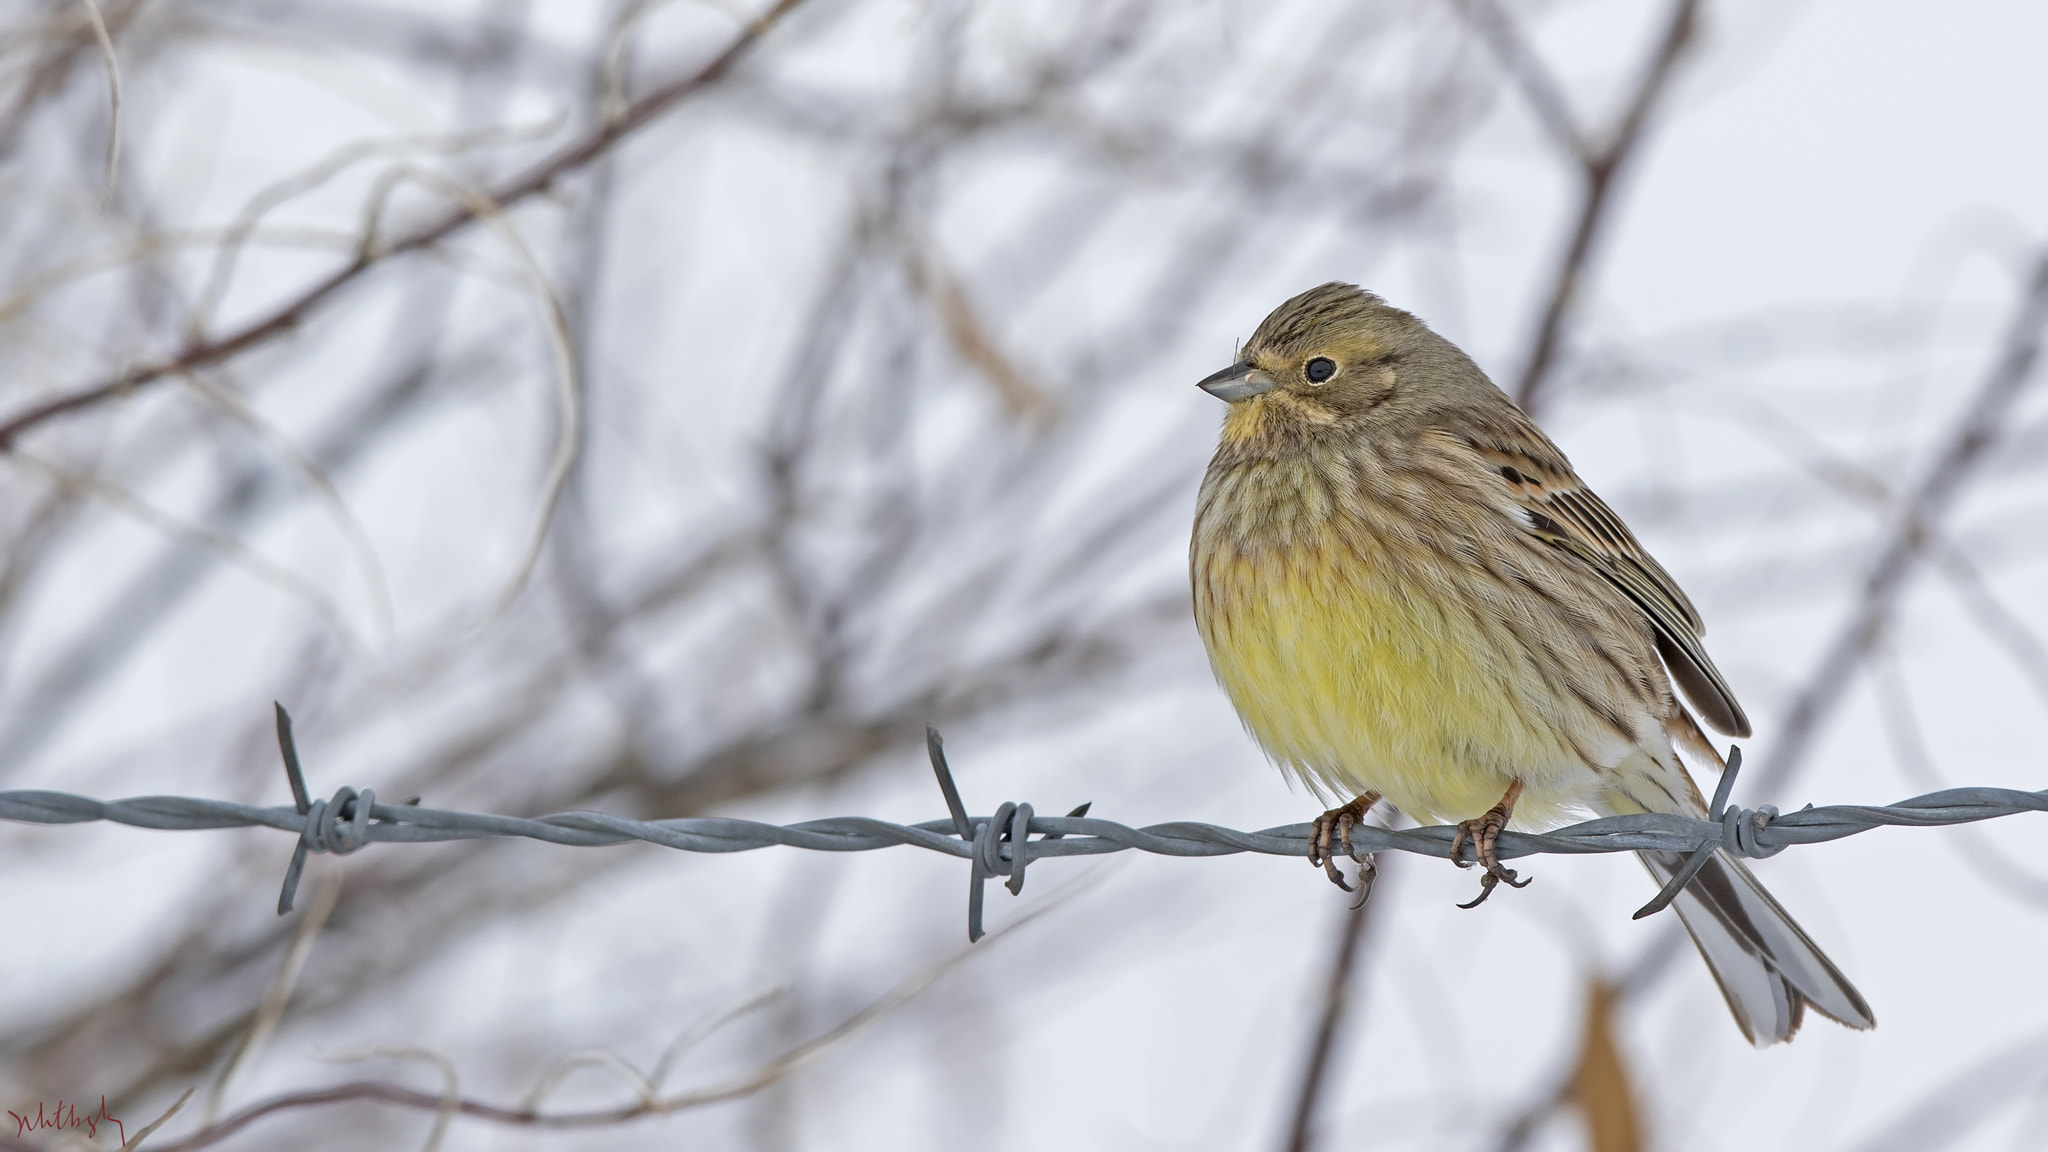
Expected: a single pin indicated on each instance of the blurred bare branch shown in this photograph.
(105, 42)
(1343, 990)
(289, 315)
(1599, 166)
(278, 997)
(1903, 732)
(76, 40)
(972, 339)
(1547, 100)
(649, 1104)
(814, 393)
(1916, 516)
(1927, 504)
(227, 548)
(350, 525)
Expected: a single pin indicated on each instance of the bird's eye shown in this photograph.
(1320, 369)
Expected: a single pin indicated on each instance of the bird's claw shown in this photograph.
(1494, 875)
(1484, 833)
(1336, 824)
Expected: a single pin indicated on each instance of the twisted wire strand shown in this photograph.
(1079, 836)
(1001, 844)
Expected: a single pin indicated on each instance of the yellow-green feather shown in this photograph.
(1351, 651)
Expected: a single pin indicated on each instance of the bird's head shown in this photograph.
(1335, 353)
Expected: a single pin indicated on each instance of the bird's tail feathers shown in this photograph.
(1767, 967)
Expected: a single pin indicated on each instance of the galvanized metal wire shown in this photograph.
(1001, 844)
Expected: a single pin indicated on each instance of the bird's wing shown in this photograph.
(1562, 510)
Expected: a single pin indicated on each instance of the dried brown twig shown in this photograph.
(1599, 165)
(1342, 990)
(651, 1103)
(1826, 686)
(1926, 506)
(295, 312)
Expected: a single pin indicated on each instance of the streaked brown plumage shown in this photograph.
(1406, 591)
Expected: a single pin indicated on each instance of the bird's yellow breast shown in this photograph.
(1355, 659)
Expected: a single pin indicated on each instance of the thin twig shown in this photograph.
(747, 1084)
(969, 334)
(150, 244)
(281, 192)
(1930, 501)
(1341, 994)
(1900, 723)
(279, 996)
(641, 1083)
(50, 74)
(298, 310)
(451, 1083)
(1867, 485)
(149, 1128)
(105, 40)
(1826, 686)
(353, 533)
(1539, 87)
(234, 551)
(568, 385)
(1999, 623)
(616, 60)
(1598, 171)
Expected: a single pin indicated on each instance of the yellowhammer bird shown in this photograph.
(1408, 594)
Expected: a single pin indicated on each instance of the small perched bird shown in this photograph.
(1408, 594)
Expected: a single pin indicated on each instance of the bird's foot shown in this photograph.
(1484, 833)
(1336, 825)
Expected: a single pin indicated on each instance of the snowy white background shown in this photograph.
(1807, 267)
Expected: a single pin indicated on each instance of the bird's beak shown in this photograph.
(1240, 381)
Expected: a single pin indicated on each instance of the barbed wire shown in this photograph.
(999, 845)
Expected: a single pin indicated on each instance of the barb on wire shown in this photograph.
(1001, 844)
(1739, 827)
(1010, 825)
(351, 811)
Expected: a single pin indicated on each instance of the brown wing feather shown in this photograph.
(1565, 512)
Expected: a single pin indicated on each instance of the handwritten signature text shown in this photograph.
(66, 1116)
